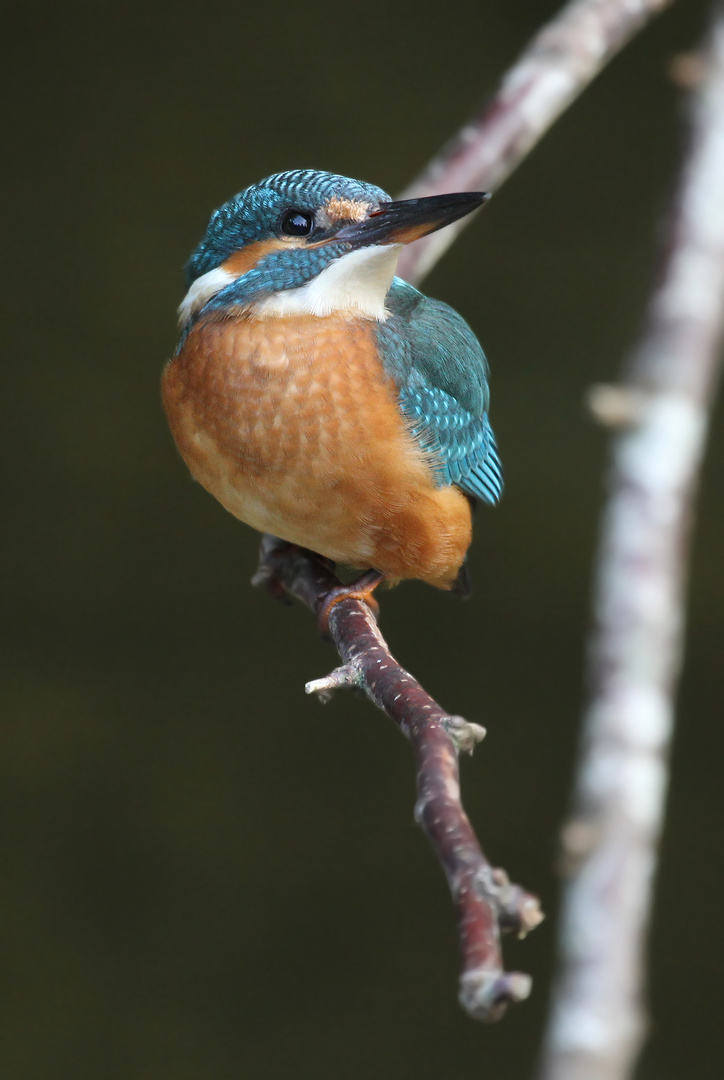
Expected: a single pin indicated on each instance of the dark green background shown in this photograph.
(204, 873)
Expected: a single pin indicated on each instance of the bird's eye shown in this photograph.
(297, 223)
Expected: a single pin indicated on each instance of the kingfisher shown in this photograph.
(320, 397)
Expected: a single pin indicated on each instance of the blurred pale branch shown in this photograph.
(555, 69)
(635, 653)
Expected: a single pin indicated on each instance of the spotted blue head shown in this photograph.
(309, 241)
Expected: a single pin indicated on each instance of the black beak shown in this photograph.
(402, 222)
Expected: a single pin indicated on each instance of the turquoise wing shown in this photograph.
(441, 375)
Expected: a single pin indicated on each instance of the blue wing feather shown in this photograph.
(441, 375)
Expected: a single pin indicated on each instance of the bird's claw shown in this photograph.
(361, 589)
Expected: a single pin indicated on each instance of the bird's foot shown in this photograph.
(361, 589)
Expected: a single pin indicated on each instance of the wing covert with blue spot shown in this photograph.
(441, 374)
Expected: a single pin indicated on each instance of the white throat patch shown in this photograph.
(201, 291)
(357, 282)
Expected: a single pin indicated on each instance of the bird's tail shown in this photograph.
(463, 585)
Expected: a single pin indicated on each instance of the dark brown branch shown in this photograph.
(485, 901)
(554, 69)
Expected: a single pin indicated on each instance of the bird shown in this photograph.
(321, 398)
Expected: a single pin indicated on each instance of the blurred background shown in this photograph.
(204, 873)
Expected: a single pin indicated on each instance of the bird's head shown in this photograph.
(309, 242)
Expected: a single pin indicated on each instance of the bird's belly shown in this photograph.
(293, 425)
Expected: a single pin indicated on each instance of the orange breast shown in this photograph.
(293, 425)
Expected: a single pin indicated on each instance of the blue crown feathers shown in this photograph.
(255, 213)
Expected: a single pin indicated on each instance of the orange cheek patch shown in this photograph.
(244, 260)
(241, 262)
